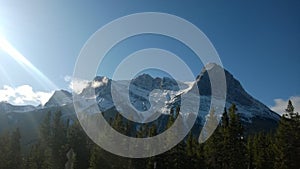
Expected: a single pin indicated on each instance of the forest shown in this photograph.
(64, 145)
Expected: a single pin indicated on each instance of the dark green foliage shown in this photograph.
(58, 142)
(194, 153)
(37, 157)
(50, 151)
(226, 148)
(227, 144)
(79, 143)
(261, 151)
(214, 146)
(10, 151)
(235, 142)
(287, 145)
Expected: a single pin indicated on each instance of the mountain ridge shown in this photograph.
(166, 91)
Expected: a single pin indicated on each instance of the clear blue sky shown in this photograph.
(257, 41)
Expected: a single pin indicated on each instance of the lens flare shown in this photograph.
(26, 64)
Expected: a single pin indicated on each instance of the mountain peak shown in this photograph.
(59, 98)
(211, 66)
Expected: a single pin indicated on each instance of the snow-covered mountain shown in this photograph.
(146, 93)
(248, 107)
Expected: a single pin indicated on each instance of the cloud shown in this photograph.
(96, 84)
(23, 95)
(67, 78)
(281, 104)
(77, 85)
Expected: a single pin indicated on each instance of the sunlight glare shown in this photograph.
(26, 64)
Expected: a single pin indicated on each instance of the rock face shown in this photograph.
(59, 98)
(247, 105)
(168, 92)
(254, 114)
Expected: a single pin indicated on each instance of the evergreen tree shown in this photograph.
(43, 145)
(58, 142)
(152, 161)
(287, 145)
(235, 143)
(78, 142)
(214, 146)
(192, 152)
(97, 159)
(5, 160)
(262, 151)
(209, 126)
(10, 150)
(15, 150)
(53, 141)
(225, 119)
(227, 144)
(45, 129)
(36, 158)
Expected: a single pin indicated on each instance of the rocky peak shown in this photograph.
(59, 98)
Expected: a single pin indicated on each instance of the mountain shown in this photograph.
(166, 93)
(254, 114)
(59, 98)
(7, 107)
(145, 93)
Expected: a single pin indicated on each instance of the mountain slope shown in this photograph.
(59, 98)
(7, 107)
(166, 93)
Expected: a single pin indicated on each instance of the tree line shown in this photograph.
(64, 144)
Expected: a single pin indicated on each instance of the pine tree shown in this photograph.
(10, 150)
(262, 151)
(169, 156)
(214, 146)
(5, 160)
(37, 157)
(43, 145)
(225, 119)
(53, 141)
(45, 129)
(58, 142)
(152, 161)
(78, 142)
(15, 150)
(97, 159)
(209, 126)
(235, 143)
(192, 152)
(250, 148)
(287, 145)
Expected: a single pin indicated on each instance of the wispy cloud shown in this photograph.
(23, 95)
(76, 85)
(281, 104)
(67, 78)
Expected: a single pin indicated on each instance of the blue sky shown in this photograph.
(258, 42)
